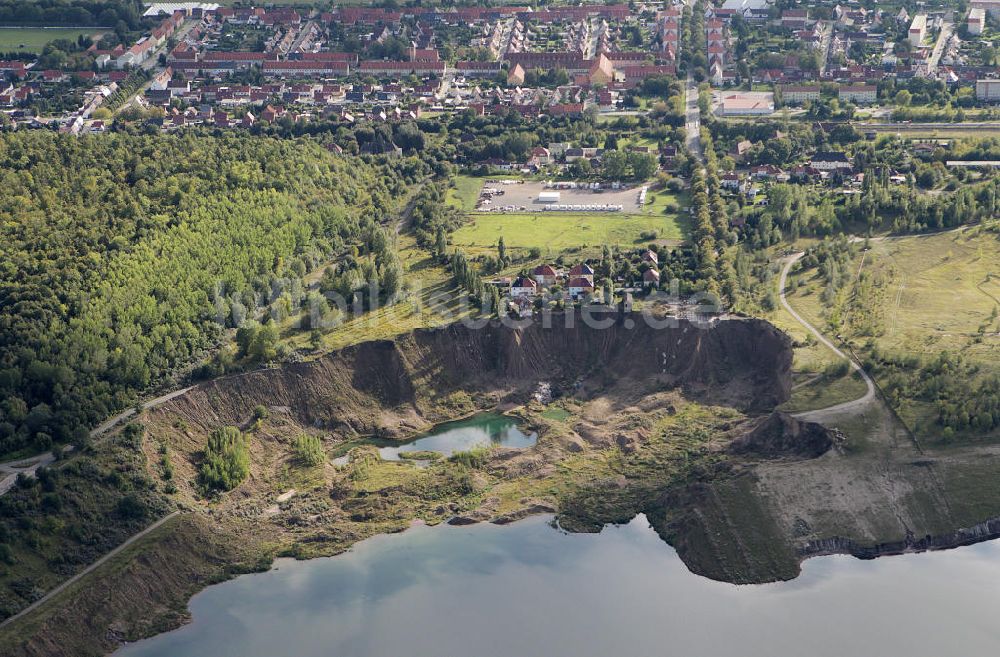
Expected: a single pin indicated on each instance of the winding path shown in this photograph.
(821, 414)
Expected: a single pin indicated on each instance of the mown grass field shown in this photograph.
(34, 39)
(553, 232)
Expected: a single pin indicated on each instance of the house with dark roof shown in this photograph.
(831, 161)
(545, 275)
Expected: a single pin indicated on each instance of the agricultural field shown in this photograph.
(34, 39)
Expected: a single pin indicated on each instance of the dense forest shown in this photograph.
(72, 13)
(125, 257)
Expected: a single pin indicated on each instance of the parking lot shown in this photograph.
(522, 196)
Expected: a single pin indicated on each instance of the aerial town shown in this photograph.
(291, 279)
(848, 72)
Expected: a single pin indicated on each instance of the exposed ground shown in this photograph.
(639, 411)
(525, 194)
(673, 423)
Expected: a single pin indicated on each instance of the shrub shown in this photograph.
(131, 507)
(309, 450)
(227, 460)
(474, 458)
(837, 370)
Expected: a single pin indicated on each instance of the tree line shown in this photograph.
(125, 258)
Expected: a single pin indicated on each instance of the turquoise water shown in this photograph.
(479, 430)
(528, 590)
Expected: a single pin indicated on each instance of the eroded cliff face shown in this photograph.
(653, 413)
(397, 387)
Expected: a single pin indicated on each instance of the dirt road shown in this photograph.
(10, 470)
(86, 571)
(856, 405)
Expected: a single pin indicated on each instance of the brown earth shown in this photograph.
(654, 414)
(394, 388)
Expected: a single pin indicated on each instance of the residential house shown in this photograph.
(651, 277)
(740, 149)
(545, 275)
(859, 94)
(580, 286)
(799, 94)
(831, 161)
(582, 270)
(524, 287)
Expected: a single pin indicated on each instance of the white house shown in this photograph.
(579, 287)
(830, 161)
(975, 20)
(918, 29)
(859, 94)
(988, 90)
(524, 287)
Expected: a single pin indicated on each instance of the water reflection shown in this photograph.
(527, 589)
(480, 430)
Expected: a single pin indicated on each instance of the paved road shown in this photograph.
(824, 413)
(932, 61)
(86, 571)
(825, 44)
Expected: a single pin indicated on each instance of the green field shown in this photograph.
(939, 290)
(33, 39)
(557, 231)
(552, 231)
(934, 294)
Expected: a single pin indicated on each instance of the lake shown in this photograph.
(480, 430)
(529, 590)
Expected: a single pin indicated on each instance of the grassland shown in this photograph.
(812, 386)
(934, 294)
(940, 290)
(430, 300)
(34, 39)
(555, 232)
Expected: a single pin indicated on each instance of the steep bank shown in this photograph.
(647, 408)
(396, 387)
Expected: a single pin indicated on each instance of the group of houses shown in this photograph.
(573, 284)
